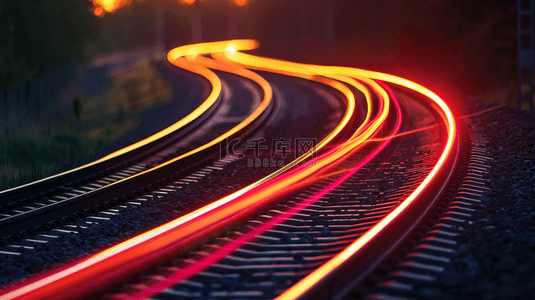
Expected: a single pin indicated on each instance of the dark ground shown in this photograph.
(496, 257)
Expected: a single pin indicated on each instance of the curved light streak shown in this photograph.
(227, 249)
(175, 57)
(167, 234)
(247, 198)
(162, 235)
(212, 47)
(302, 71)
(313, 278)
(216, 83)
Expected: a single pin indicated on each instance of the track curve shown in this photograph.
(314, 227)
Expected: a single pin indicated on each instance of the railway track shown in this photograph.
(141, 164)
(320, 225)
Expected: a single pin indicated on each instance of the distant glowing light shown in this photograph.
(109, 5)
(241, 2)
(99, 11)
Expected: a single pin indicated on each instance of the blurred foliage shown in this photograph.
(36, 36)
(138, 85)
(76, 107)
(24, 159)
(96, 125)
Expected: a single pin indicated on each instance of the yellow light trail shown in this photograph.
(178, 60)
(294, 69)
(226, 209)
(229, 210)
(175, 57)
(165, 235)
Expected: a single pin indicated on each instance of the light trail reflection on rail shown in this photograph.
(138, 250)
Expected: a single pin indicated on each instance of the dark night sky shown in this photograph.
(468, 46)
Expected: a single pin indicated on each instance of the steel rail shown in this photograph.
(139, 247)
(350, 265)
(50, 212)
(362, 255)
(131, 152)
(326, 280)
(225, 250)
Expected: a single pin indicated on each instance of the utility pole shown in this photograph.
(233, 21)
(372, 17)
(329, 23)
(302, 23)
(235, 17)
(526, 54)
(197, 22)
(159, 28)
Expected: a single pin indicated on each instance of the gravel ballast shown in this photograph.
(135, 220)
(495, 258)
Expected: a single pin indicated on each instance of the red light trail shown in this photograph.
(137, 251)
(228, 248)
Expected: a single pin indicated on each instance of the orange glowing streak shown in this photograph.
(163, 232)
(224, 208)
(205, 62)
(208, 102)
(307, 71)
(307, 75)
(301, 71)
(187, 228)
(266, 88)
(313, 278)
(163, 235)
(212, 47)
(367, 96)
(179, 61)
(174, 57)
